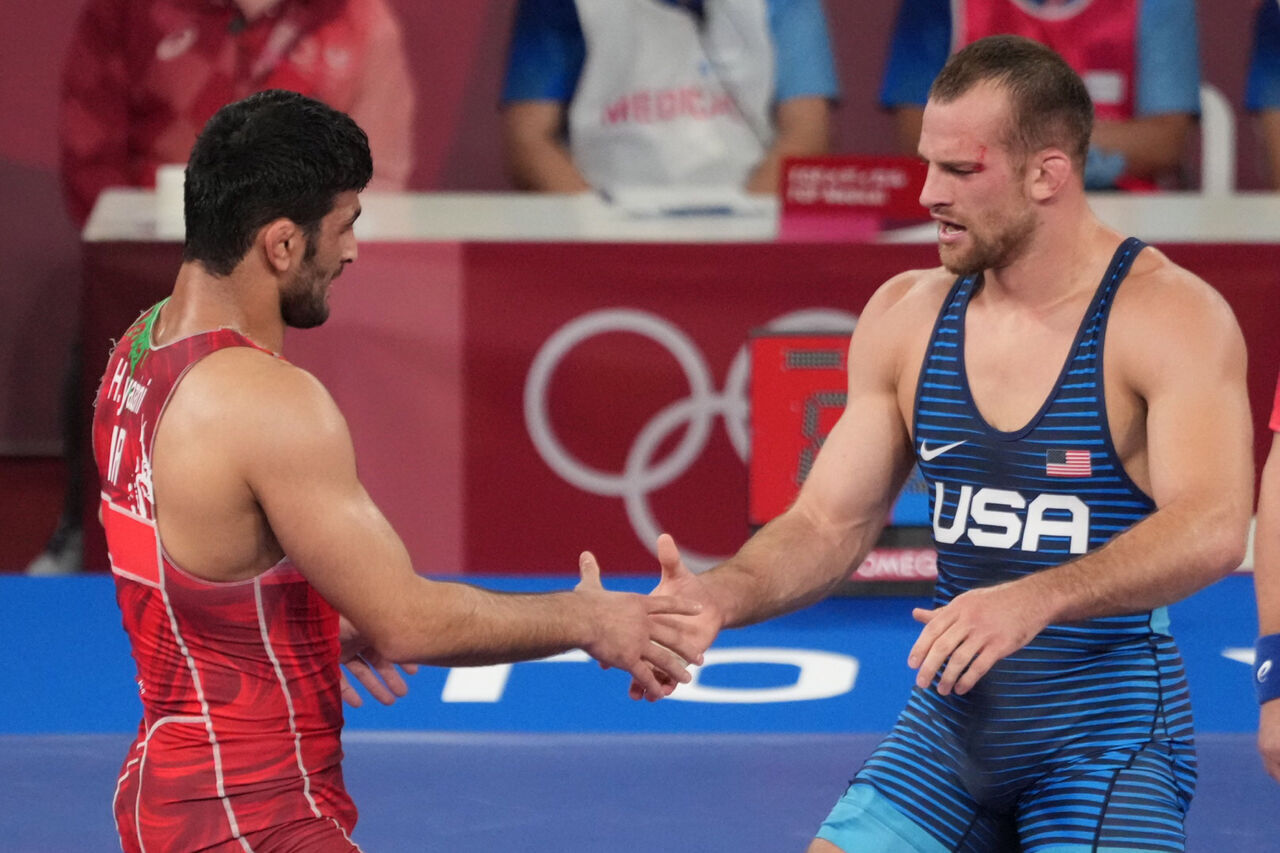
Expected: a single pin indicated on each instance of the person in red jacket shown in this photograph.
(143, 76)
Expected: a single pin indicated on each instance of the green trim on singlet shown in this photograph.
(141, 343)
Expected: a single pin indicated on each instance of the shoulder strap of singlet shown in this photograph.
(961, 290)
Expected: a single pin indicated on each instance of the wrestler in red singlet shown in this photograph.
(238, 749)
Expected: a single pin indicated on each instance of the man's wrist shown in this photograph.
(585, 625)
(1040, 594)
(1266, 668)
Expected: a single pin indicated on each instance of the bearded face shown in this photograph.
(989, 242)
(304, 302)
(976, 188)
(330, 244)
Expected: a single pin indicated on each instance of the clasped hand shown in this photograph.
(641, 633)
(692, 633)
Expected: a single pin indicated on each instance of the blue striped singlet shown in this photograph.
(1082, 738)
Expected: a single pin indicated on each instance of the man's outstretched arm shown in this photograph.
(798, 557)
(299, 463)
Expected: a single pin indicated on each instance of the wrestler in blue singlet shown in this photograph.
(1081, 740)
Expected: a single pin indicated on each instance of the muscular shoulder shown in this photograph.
(1160, 296)
(1167, 318)
(906, 303)
(894, 327)
(255, 406)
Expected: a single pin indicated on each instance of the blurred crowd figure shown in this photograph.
(608, 94)
(1138, 58)
(1262, 92)
(142, 77)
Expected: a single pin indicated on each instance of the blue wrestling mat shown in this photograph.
(552, 756)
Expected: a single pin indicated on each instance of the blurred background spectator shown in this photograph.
(1262, 92)
(143, 76)
(1139, 58)
(615, 93)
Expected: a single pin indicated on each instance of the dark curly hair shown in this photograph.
(275, 154)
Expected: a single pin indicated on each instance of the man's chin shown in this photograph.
(310, 322)
(308, 319)
(957, 263)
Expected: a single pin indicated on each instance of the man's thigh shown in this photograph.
(1125, 801)
(310, 835)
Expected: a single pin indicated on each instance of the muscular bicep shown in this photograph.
(1199, 433)
(862, 465)
(302, 472)
(867, 456)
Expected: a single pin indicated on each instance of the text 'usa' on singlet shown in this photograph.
(239, 682)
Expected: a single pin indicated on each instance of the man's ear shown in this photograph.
(1050, 169)
(282, 244)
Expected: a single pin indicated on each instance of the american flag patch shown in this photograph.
(1067, 463)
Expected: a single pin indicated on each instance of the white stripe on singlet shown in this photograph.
(206, 717)
(115, 799)
(288, 698)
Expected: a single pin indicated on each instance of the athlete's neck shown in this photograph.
(202, 302)
(1058, 265)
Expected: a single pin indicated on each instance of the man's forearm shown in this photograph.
(1266, 552)
(1150, 145)
(1162, 559)
(794, 561)
(455, 624)
(1266, 574)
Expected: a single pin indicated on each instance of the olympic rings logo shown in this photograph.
(642, 474)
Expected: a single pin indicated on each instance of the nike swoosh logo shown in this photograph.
(928, 455)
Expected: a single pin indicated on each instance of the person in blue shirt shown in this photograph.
(1139, 59)
(615, 93)
(1262, 92)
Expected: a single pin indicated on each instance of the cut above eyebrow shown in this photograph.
(960, 165)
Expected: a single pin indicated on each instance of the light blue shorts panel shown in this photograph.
(863, 821)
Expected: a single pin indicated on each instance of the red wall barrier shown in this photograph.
(513, 404)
